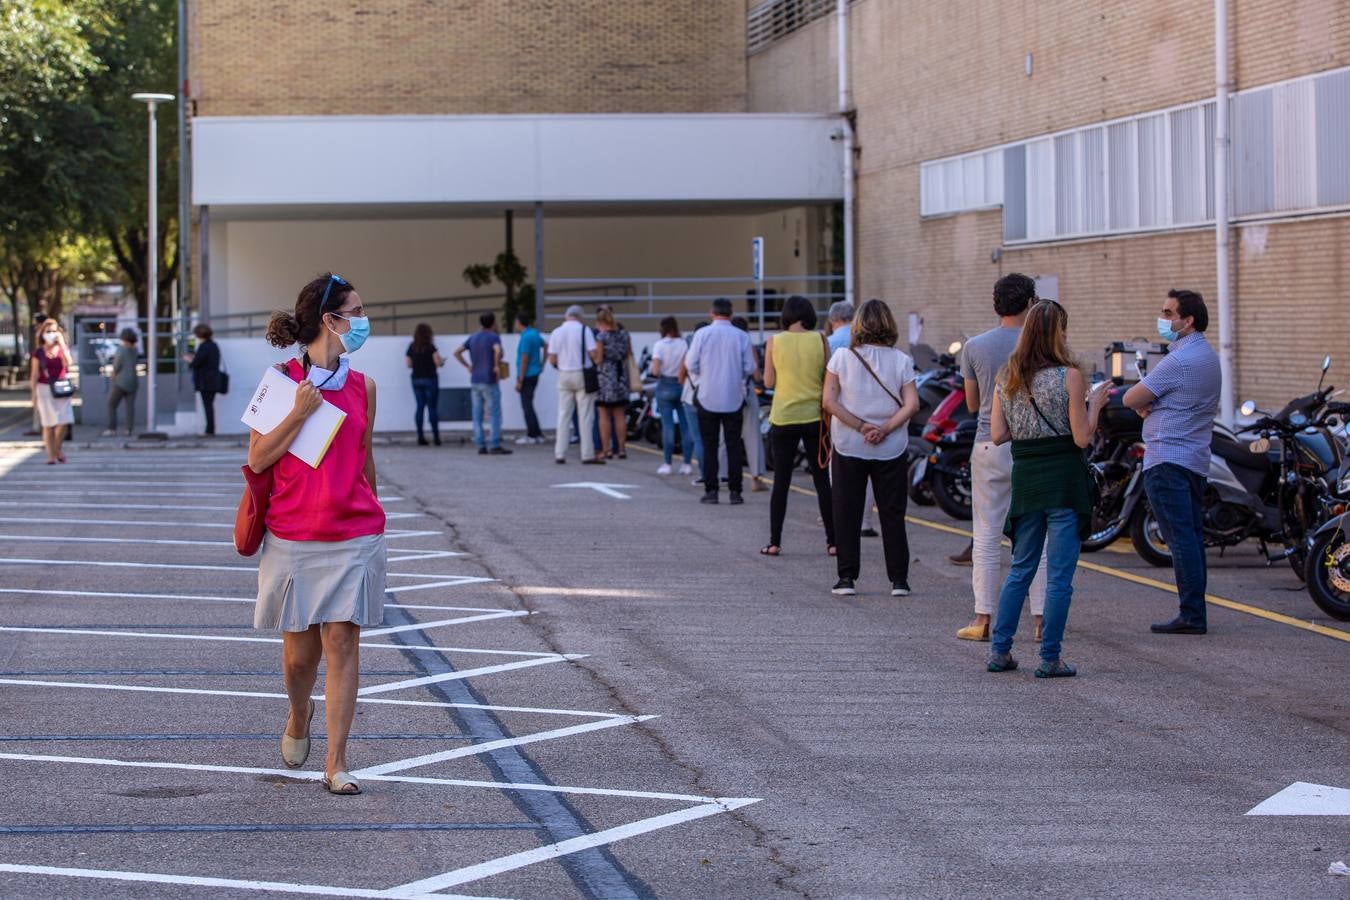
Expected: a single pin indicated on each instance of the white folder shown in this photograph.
(273, 399)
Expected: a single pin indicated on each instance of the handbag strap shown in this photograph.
(1044, 418)
(875, 376)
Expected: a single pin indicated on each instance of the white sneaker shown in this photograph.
(664, 469)
(524, 439)
(686, 469)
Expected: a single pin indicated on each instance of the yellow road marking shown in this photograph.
(1235, 605)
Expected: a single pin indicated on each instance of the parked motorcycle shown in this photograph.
(1271, 489)
(1116, 461)
(949, 470)
(942, 407)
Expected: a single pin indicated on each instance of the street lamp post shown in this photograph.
(152, 254)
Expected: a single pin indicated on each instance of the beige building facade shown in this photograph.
(934, 81)
(1069, 140)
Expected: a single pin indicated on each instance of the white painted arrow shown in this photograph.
(1304, 799)
(607, 489)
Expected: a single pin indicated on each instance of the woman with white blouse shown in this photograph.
(870, 393)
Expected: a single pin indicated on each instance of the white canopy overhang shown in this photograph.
(283, 166)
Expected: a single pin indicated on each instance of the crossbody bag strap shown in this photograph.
(875, 376)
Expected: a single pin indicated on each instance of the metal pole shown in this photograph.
(539, 266)
(184, 170)
(845, 103)
(1226, 389)
(152, 270)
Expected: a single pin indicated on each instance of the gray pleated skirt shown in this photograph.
(304, 583)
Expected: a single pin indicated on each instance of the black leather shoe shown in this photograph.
(736, 498)
(1176, 626)
(709, 497)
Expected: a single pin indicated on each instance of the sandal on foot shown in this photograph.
(341, 783)
(1057, 668)
(294, 751)
(770, 550)
(1001, 662)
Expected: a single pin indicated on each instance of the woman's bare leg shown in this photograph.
(341, 647)
(49, 443)
(621, 427)
(300, 652)
(604, 433)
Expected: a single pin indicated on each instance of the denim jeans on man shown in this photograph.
(1055, 531)
(528, 384)
(668, 392)
(491, 395)
(1176, 495)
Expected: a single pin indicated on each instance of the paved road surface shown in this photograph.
(803, 744)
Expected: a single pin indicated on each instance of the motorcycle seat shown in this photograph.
(1236, 453)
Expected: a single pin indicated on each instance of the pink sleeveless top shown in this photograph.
(333, 502)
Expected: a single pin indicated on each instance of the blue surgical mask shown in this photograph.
(1165, 330)
(356, 335)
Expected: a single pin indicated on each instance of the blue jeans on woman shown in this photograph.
(1057, 528)
(426, 391)
(668, 392)
(695, 435)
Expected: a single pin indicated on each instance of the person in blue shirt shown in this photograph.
(529, 363)
(485, 355)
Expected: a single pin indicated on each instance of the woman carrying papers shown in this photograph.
(322, 571)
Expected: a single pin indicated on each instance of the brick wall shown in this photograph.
(327, 57)
(935, 79)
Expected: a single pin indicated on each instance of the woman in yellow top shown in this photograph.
(794, 367)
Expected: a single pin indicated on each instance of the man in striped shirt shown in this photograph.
(1178, 401)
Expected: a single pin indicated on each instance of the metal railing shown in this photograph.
(688, 299)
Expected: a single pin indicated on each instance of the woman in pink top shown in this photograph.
(322, 571)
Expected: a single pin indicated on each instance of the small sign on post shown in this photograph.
(757, 272)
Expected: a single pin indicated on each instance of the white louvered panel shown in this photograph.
(1188, 165)
(1068, 203)
(1123, 188)
(1093, 165)
(1153, 212)
(1251, 158)
(993, 177)
(1040, 189)
(1294, 145)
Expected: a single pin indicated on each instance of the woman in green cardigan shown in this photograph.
(1044, 407)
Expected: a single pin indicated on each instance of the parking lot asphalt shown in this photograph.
(608, 692)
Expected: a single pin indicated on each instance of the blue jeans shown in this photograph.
(1058, 528)
(668, 392)
(490, 394)
(426, 391)
(695, 435)
(1176, 495)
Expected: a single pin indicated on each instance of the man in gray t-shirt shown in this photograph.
(990, 465)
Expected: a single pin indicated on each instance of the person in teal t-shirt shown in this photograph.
(529, 363)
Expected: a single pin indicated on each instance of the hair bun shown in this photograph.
(283, 330)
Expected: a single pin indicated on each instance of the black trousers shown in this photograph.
(527, 386)
(890, 484)
(784, 439)
(209, 407)
(729, 424)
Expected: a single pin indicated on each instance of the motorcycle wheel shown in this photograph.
(1103, 538)
(921, 494)
(1147, 537)
(952, 490)
(1327, 572)
(651, 433)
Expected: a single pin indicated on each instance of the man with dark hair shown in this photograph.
(991, 464)
(721, 359)
(485, 355)
(529, 365)
(1178, 401)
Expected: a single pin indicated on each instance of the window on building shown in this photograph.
(1290, 153)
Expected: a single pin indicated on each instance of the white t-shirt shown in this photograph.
(670, 351)
(861, 395)
(566, 342)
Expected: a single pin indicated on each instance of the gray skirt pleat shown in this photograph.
(304, 583)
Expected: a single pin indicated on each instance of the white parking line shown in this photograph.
(459, 674)
(415, 762)
(129, 595)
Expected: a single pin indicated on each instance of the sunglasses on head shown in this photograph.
(332, 280)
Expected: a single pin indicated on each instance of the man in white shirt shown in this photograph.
(722, 359)
(572, 348)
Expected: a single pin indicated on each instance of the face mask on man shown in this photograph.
(356, 335)
(1165, 330)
